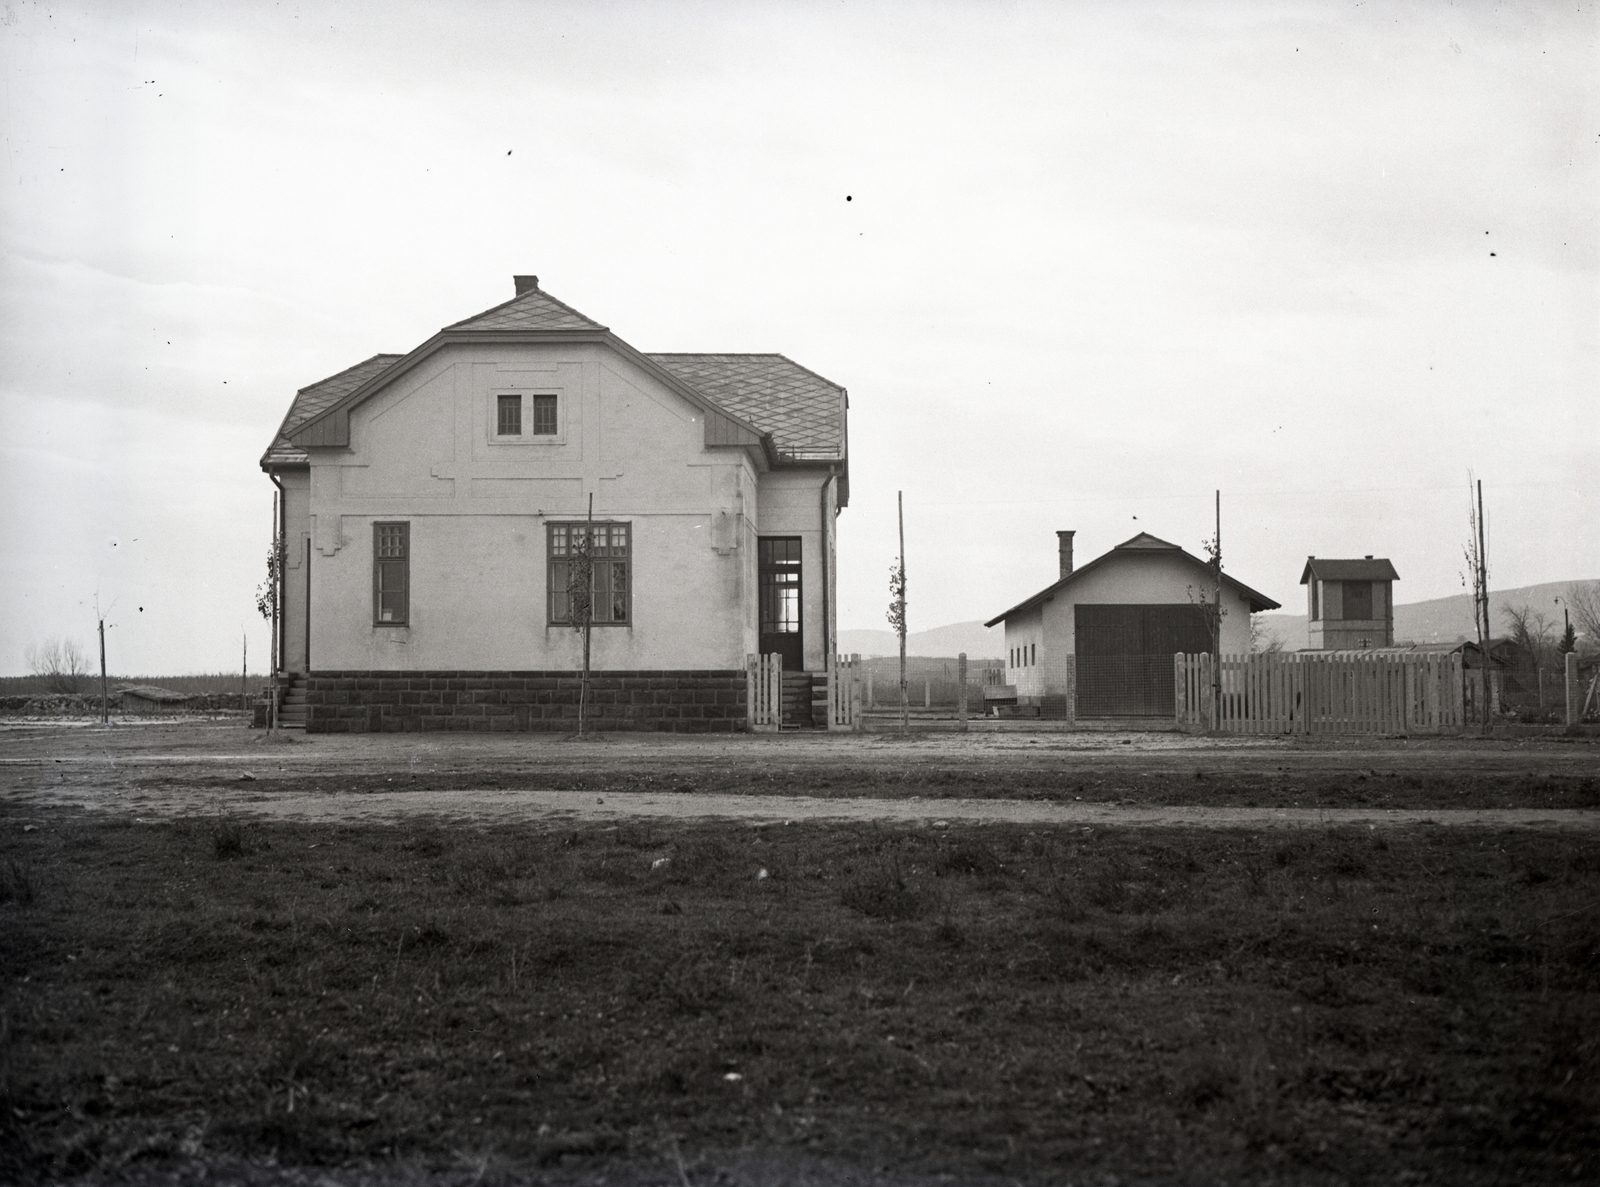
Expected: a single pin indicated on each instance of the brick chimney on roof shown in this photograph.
(1065, 539)
(525, 283)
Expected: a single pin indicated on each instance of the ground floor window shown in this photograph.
(391, 574)
(607, 550)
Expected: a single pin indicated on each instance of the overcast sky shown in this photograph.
(1078, 266)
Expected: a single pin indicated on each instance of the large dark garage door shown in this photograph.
(1125, 656)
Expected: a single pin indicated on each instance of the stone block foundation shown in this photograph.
(494, 702)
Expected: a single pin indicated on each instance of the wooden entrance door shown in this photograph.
(779, 564)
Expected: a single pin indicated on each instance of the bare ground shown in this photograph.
(1093, 779)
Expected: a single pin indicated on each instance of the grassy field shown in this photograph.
(698, 1003)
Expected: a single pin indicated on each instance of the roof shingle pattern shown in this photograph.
(309, 401)
(803, 411)
(532, 310)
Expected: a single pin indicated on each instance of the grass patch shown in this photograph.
(995, 1001)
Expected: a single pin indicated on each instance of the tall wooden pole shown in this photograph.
(277, 589)
(588, 617)
(1482, 583)
(1216, 630)
(905, 712)
(105, 715)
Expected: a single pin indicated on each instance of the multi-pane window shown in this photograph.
(544, 416)
(510, 416)
(607, 548)
(391, 573)
(780, 585)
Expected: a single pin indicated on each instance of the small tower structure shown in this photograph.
(1349, 603)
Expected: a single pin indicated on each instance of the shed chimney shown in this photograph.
(1066, 552)
(525, 283)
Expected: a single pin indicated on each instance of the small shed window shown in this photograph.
(1358, 599)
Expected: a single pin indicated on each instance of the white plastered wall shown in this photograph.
(424, 451)
(791, 504)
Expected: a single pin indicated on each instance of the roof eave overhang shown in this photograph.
(268, 466)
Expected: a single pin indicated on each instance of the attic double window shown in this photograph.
(508, 415)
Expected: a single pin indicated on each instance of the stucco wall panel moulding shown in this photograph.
(329, 532)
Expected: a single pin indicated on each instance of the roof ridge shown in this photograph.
(532, 292)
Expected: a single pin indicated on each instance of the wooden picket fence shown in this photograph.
(764, 691)
(844, 693)
(1330, 693)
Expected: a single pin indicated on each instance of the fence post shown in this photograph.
(961, 692)
(1572, 688)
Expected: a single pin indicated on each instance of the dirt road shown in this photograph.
(166, 771)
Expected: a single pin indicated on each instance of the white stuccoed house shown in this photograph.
(432, 500)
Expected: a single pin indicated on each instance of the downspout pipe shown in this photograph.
(283, 578)
(828, 644)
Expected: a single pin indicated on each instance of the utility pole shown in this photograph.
(275, 577)
(1481, 580)
(244, 669)
(588, 614)
(105, 714)
(905, 712)
(1216, 628)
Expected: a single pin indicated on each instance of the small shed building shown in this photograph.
(1349, 603)
(1099, 642)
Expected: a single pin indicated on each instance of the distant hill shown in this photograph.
(1442, 620)
(977, 640)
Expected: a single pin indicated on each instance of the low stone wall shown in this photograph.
(376, 702)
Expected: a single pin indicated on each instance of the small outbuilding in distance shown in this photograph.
(1099, 642)
(1349, 603)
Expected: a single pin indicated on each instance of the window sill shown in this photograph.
(530, 439)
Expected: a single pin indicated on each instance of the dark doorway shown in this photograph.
(1124, 656)
(780, 600)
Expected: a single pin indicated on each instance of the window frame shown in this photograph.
(1366, 598)
(554, 560)
(554, 402)
(380, 561)
(504, 402)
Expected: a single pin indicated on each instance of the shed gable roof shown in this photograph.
(1144, 542)
(1366, 569)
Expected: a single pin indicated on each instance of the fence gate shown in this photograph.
(764, 691)
(844, 693)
